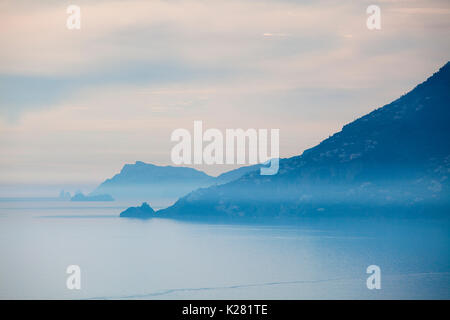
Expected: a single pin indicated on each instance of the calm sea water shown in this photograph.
(164, 259)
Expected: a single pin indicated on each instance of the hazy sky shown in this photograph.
(75, 105)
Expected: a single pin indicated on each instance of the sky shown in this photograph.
(76, 105)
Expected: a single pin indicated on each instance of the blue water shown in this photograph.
(164, 259)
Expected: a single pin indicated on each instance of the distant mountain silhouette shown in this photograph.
(142, 212)
(144, 181)
(99, 197)
(148, 182)
(394, 160)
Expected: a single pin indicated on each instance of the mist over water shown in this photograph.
(166, 259)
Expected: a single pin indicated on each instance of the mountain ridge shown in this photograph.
(396, 156)
(146, 181)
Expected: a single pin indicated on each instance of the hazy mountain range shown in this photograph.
(394, 160)
(80, 197)
(148, 182)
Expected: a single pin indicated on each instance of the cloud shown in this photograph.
(76, 105)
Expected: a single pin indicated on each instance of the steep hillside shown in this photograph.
(394, 160)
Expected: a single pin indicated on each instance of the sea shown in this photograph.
(119, 258)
